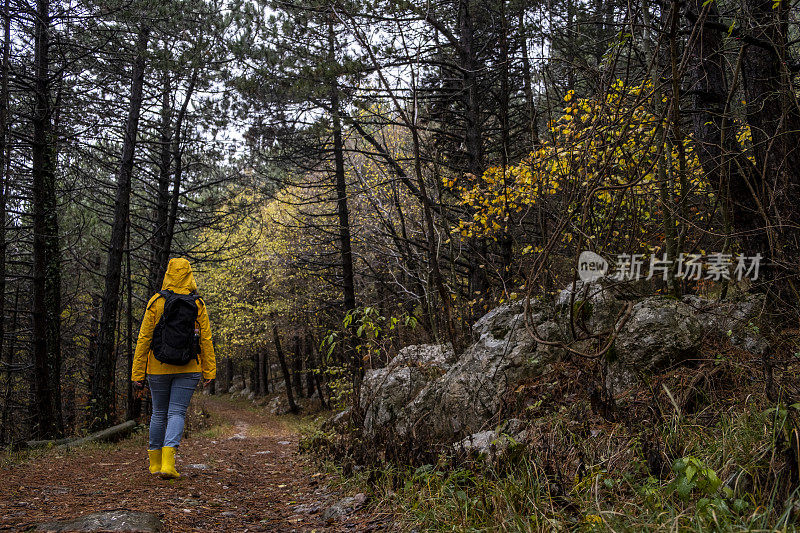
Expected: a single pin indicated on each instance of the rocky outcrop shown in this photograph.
(237, 384)
(493, 444)
(424, 392)
(459, 399)
(387, 391)
(593, 309)
(660, 332)
(278, 405)
(741, 320)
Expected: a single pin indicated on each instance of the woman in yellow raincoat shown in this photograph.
(171, 386)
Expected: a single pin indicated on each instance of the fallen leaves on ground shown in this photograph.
(248, 478)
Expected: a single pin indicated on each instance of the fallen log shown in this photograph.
(44, 443)
(113, 431)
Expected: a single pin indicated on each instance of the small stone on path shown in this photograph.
(344, 507)
(119, 520)
(306, 508)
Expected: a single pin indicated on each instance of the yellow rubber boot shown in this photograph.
(168, 463)
(155, 461)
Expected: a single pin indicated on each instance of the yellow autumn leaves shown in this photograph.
(601, 147)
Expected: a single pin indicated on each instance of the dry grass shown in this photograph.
(589, 464)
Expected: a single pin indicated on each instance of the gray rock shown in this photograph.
(741, 320)
(278, 406)
(307, 508)
(594, 309)
(344, 507)
(581, 291)
(499, 322)
(549, 331)
(337, 421)
(198, 466)
(237, 384)
(334, 512)
(491, 445)
(423, 355)
(387, 391)
(466, 396)
(479, 442)
(118, 520)
(660, 332)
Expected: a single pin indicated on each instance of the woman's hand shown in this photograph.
(207, 382)
(138, 384)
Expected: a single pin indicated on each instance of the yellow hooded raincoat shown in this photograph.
(180, 280)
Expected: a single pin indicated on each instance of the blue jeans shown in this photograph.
(171, 396)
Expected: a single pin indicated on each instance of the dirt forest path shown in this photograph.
(240, 472)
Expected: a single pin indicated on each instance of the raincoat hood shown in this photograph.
(179, 277)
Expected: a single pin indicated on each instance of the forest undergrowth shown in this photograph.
(702, 447)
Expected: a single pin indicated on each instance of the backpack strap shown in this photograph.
(198, 298)
(162, 294)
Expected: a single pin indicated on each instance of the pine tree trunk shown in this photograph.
(4, 166)
(527, 83)
(473, 142)
(5, 430)
(297, 362)
(262, 387)
(134, 408)
(284, 369)
(506, 240)
(228, 374)
(254, 384)
(46, 313)
(345, 248)
(103, 360)
(161, 211)
(310, 366)
(265, 369)
(317, 364)
(167, 215)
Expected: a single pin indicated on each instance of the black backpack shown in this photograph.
(174, 340)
